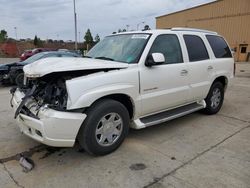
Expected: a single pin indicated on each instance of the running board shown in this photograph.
(170, 114)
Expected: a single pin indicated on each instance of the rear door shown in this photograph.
(200, 67)
(222, 60)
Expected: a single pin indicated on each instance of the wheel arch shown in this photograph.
(223, 80)
(124, 99)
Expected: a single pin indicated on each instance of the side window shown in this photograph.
(169, 46)
(219, 46)
(196, 48)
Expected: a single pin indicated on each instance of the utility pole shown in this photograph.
(15, 28)
(75, 24)
(127, 27)
(79, 36)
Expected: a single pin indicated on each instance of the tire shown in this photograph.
(214, 99)
(19, 79)
(96, 139)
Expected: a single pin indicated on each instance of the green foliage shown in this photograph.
(38, 42)
(97, 38)
(3, 35)
(120, 31)
(88, 37)
(35, 41)
(146, 27)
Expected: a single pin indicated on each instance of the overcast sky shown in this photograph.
(54, 18)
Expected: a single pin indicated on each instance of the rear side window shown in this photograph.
(219, 46)
(196, 48)
(169, 46)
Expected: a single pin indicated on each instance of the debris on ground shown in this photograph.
(27, 164)
(138, 166)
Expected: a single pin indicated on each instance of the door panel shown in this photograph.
(242, 52)
(200, 74)
(163, 87)
(199, 66)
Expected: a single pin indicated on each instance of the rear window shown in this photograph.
(219, 46)
(196, 48)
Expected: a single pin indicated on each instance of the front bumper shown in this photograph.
(50, 127)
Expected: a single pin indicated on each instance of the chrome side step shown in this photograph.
(170, 114)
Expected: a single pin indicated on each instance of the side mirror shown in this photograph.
(155, 59)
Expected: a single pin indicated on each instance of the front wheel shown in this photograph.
(19, 79)
(105, 127)
(214, 99)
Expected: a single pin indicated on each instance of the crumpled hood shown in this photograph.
(49, 65)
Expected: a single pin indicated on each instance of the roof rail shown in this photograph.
(192, 29)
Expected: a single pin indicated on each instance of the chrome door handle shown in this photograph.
(210, 67)
(184, 72)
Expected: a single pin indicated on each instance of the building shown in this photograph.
(230, 18)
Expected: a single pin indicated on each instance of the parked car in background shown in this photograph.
(28, 53)
(13, 73)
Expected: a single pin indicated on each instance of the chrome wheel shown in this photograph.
(216, 98)
(109, 129)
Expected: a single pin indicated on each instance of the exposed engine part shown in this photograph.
(49, 90)
(52, 93)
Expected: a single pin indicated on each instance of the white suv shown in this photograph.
(133, 79)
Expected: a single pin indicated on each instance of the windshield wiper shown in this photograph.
(105, 58)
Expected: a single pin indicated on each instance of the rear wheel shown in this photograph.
(214, 99)
(105, 127)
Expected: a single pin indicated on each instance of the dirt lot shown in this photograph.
(193, 151)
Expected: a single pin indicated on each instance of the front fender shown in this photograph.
(84, 91)
(90, 96)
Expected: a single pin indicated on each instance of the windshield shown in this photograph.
(33, 58)
(125, 48)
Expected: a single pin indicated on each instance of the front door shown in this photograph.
(164, 86)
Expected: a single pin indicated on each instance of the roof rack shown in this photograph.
(192, 29)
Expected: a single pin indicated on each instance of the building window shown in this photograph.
(243, 50)
(169, 46)
(219, 46)
(196, 48)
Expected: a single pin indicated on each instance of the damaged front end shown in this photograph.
(46, 91)
(41, 110)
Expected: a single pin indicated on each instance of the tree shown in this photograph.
(3, 35)
(35, 41)
(88, 38)
(146, 27)
(97, 38)
(38, 42)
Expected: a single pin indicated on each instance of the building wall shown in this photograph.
(230, 18)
